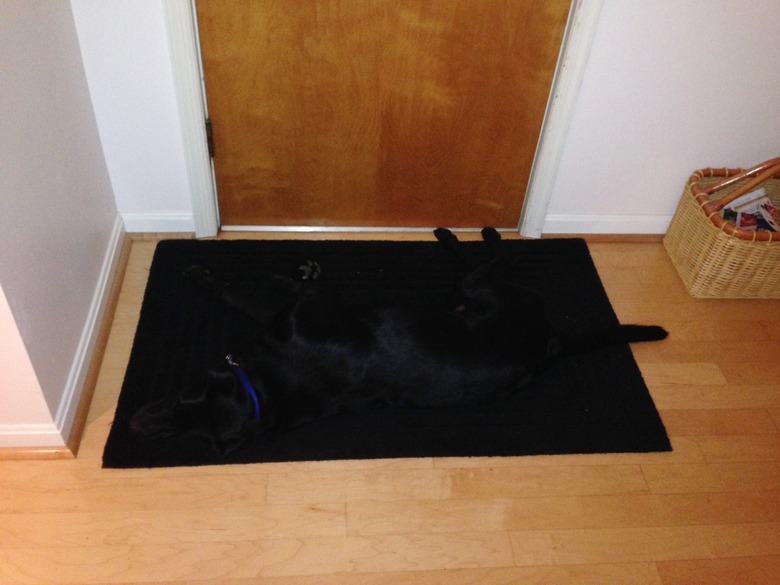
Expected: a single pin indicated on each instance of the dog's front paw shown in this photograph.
(201, 276)
(311, 270)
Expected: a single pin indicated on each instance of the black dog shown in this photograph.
(317, 357)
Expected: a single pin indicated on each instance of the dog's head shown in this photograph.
(217, 408)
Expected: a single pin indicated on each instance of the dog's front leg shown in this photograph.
(204, 279)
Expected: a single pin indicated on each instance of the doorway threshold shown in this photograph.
(349, 229)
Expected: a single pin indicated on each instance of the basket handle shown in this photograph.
(761, 172)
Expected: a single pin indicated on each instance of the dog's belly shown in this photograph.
(404, 358)
(440, 384)
(423, 376)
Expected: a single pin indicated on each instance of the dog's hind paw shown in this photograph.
(310, 271)
(489, 234)
(446, 237)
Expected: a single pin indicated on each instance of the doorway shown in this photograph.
(377, 113)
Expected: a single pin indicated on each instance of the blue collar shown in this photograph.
(246, 383)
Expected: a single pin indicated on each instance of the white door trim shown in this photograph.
(181, 24)
(569, 73)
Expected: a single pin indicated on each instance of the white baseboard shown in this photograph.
(30, 436)
(606, 224)
(66, 412)
(172, 222)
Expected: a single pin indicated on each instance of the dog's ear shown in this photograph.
(228, 443)
(222, 443)
(195, 391)
(209, 382)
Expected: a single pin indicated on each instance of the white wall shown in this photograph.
(24, 410)
(128, 66)
(58, 222)
(671, 86)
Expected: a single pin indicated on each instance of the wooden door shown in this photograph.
(403, 113)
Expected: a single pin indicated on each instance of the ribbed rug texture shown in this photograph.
(592, 403)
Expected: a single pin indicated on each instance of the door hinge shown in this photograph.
(209, 138)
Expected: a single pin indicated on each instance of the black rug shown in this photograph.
(594, 403)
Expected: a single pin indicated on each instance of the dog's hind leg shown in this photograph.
(491, 236)
(446, 238)
(474, 295)
(450, 241)
(494, 242)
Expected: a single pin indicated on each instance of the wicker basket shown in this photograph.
(715, 258)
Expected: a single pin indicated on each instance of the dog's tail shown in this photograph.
(608, 337)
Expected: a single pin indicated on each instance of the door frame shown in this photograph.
(187, 69)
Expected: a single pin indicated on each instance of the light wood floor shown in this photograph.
(709, 512)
